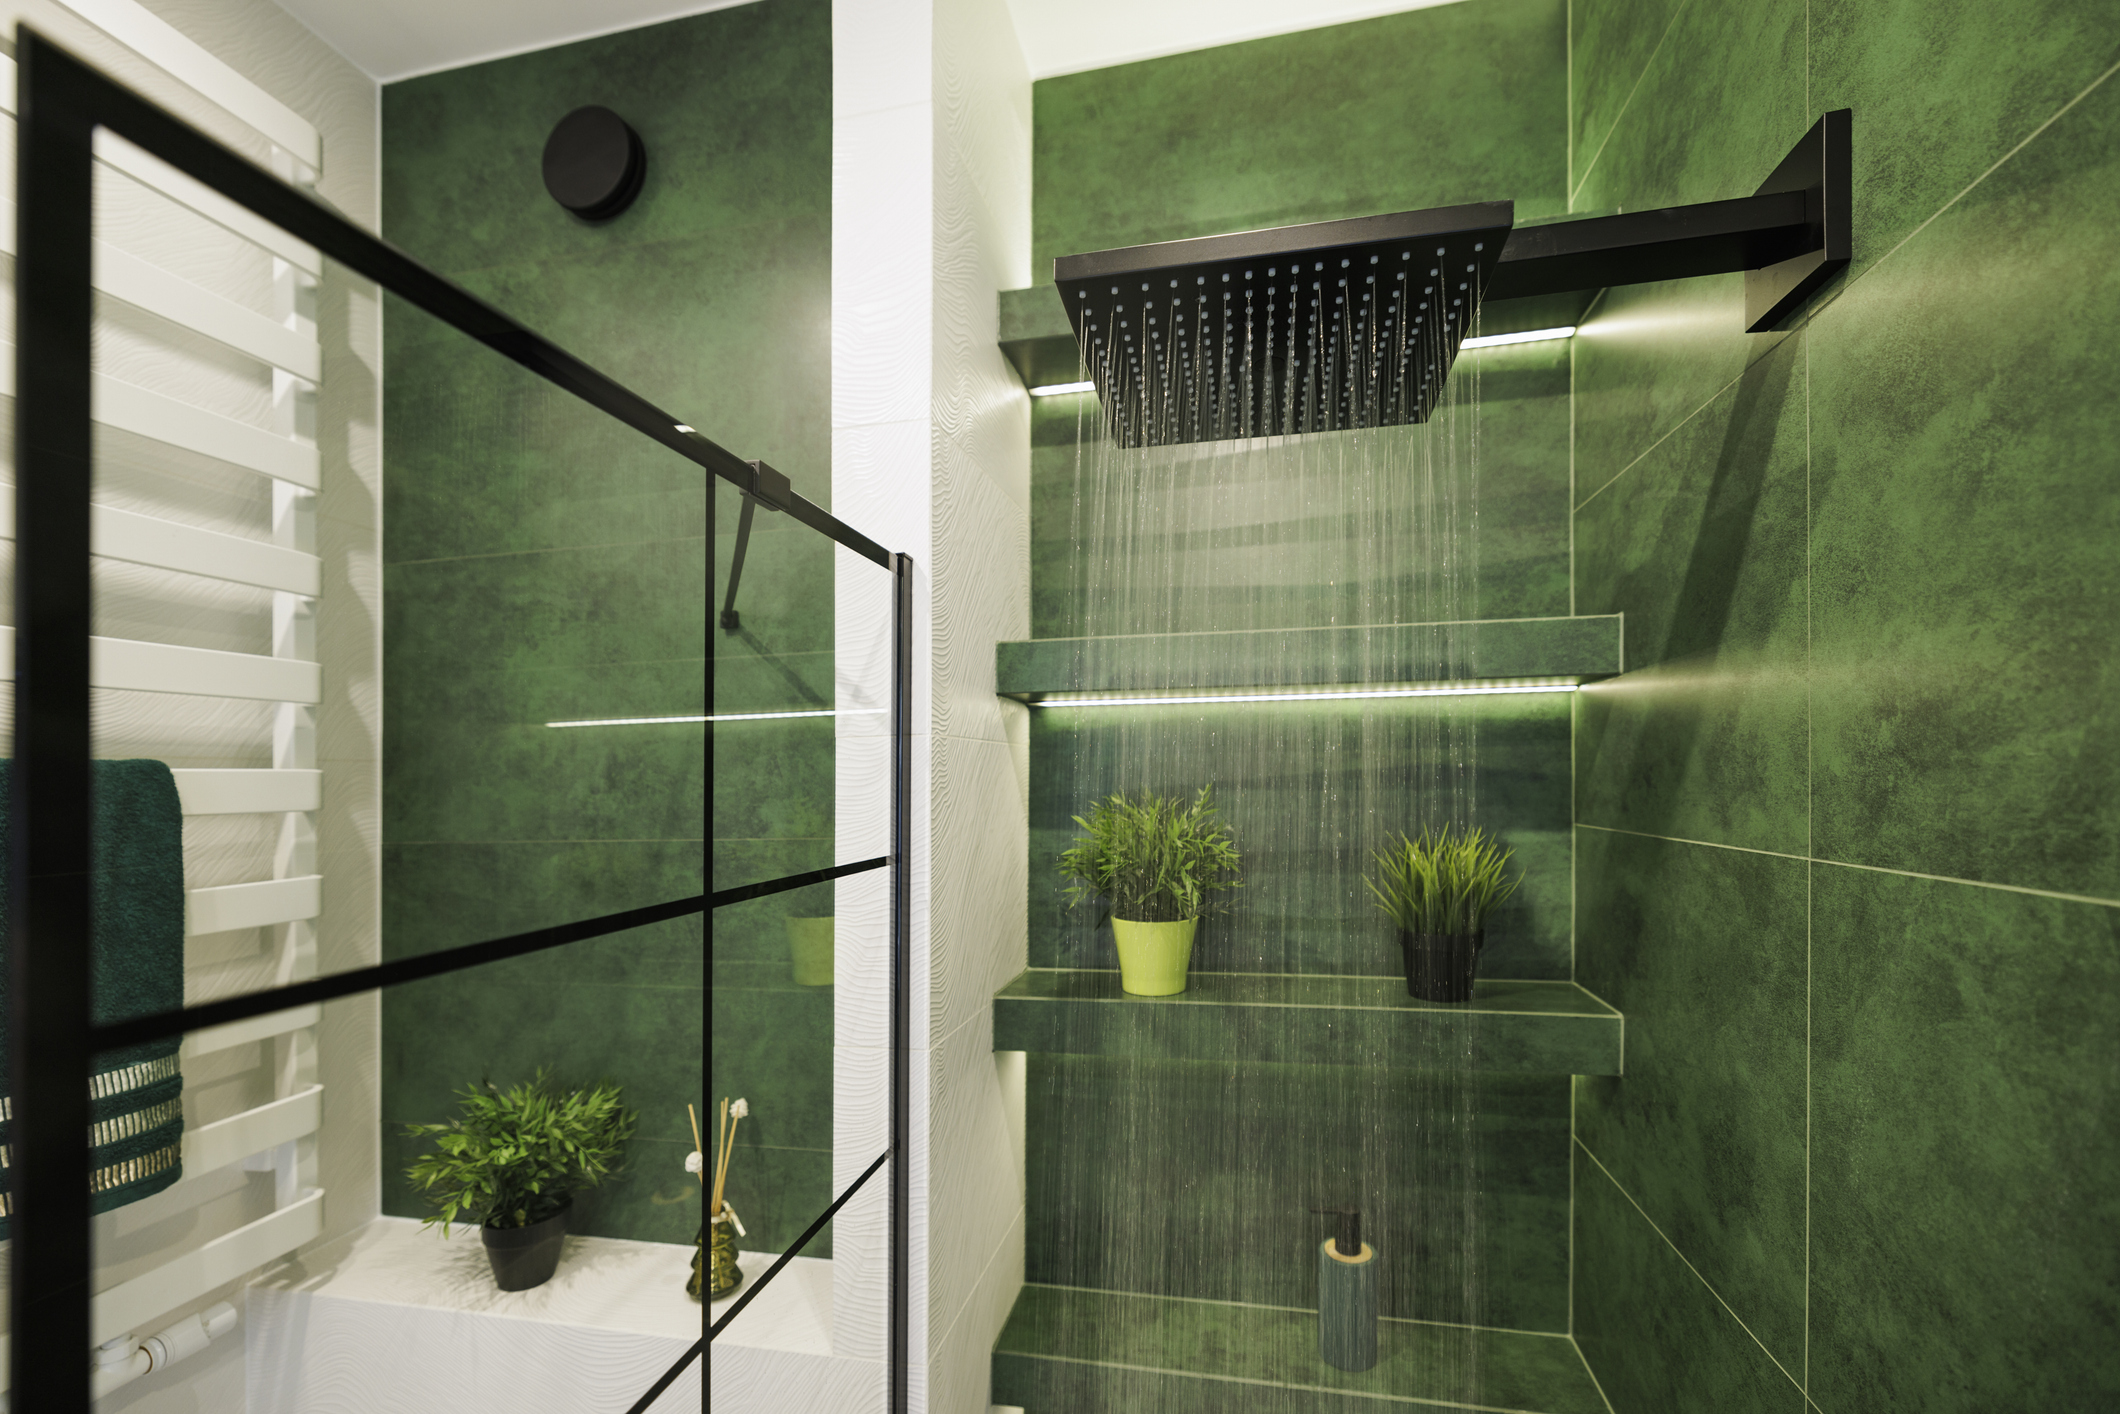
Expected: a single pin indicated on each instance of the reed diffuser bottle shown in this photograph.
(1347, 1295)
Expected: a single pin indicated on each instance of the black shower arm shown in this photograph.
(1790, 237)
(766, 487)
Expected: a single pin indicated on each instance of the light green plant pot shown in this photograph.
(810, 951)
(1153, 956)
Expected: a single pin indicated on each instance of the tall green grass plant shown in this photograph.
(1152, 859)
(1443, 880)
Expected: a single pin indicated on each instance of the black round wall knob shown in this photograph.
(594, 163)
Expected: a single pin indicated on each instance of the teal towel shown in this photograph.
(138, 897)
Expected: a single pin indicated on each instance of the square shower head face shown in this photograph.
(1317, 328)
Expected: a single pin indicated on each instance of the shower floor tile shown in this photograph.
(1070, 1351)
(1534, 1027)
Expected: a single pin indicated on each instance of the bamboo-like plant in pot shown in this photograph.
(1438, 888)
(1158, 863)
(512, 1162)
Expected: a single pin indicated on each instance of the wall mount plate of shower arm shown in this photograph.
(1788, 238)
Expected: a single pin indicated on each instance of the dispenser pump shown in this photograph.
(1348, 1240)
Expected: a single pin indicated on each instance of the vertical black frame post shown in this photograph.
(50, 858)
(901, 980)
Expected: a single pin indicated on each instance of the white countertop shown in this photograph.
(603, 1283)
(793, 1312)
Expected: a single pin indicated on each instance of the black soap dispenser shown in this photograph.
(1347, 1295)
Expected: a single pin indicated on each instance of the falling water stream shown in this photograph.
(1194, 1179)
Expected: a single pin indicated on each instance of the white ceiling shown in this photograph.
(396, 39)
(1068, 36)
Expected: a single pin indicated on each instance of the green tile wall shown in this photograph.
(1847, 853)
(542, 565)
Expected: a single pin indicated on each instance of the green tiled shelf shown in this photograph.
(1568, 647)
(1553, 1028)
(1089, 1352)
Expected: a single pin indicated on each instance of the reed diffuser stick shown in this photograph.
(697, 1147)
(721, 1171)
(721, 1154)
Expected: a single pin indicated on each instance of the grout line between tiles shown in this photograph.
(2091, 899)
(1689, 1264)
(1810, 813)
(1669, 433)
(972, 1291)
(1595, 1382)
(1620, 116)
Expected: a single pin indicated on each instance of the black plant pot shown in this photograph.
(1440, 966)
(523, 1257)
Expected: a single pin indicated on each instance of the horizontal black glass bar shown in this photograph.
(669, 1377)
(388, 974)
(799, 1243)
(744, 893)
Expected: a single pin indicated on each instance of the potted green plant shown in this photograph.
(1158, 863)
(1439, 888)
(512, 1161)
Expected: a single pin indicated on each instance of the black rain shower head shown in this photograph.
(1316, 328)
(1348, 324)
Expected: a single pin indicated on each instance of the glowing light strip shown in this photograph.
(627, 721)
(747, 716)
(1529, 336)
(1054, 390)
(1306, 696)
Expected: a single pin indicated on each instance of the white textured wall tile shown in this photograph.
(972, 1188)
(979, 880)
(743, 1381)
(931, 217)
(881, 266)
(881, 55)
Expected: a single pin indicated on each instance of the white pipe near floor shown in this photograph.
(119, 1362)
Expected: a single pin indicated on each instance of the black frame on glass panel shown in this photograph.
(61, 103)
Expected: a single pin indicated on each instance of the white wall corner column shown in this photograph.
(931, 211)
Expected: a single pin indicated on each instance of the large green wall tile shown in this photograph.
(1943, 90)
(1431, 108)
(1193, 1179)
(1964, 721)
(1715, 109)
(1657, 1337)
(1701, 544)
(1609, 48)
(1706, 1128)
(544, 564)
(1963, 1143)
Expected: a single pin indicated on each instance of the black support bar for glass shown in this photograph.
(798, 1244)
(388, 974)
(744, 893)
(730, 623)
(49, 984)
(1789, 237)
